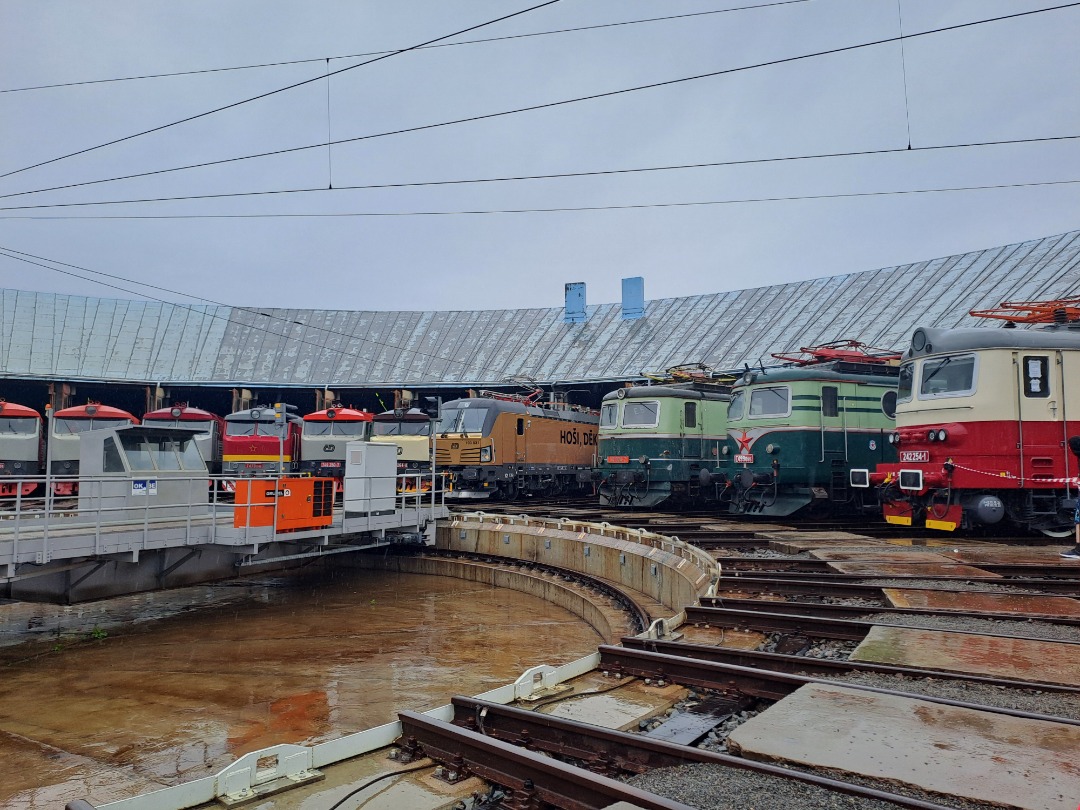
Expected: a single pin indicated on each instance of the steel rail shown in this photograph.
(604, 749)
(761, 683)
(856, 611)
(774, 620)
(1044, 587)
(798, 664)
(1014, 571)
(532, 777)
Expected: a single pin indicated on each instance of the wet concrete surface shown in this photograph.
(896, 562)
(109, 699)
(722, 637)
(949, 750)
(998, 656)
(1026, 604)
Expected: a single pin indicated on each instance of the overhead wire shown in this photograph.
(380, 53)
(546, 105)
(293, 86)
(466, 365)
(557, 175)
(557, 209)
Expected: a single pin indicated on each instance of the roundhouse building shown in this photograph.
(141, 354)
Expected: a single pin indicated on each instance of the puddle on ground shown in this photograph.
(108, 699)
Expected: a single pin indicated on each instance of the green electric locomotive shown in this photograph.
(662, 443)
(796, 430)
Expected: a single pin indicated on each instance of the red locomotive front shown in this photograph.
(983, 422)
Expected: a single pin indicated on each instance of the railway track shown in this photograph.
(803, 621)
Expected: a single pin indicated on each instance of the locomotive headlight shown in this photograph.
(725, 450)
(894, 438)
(255, 413)
(942, 435)
(176, 413)
(932, 436)
(485, 455)
(772, 448)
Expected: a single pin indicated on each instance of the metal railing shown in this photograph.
(35, 528)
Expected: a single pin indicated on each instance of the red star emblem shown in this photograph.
(744, 442)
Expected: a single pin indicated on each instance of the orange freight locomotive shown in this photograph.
(505, 446)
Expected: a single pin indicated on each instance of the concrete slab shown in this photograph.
(620, 709)
(1013, 555)
(822, 537)
(722, 637)
(885, 562)
(983, 756)
(1025, 604)
(797, 545)
(735, 526)
(1024, 659)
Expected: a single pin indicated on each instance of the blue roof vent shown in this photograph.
(575, 302)
(633, 298)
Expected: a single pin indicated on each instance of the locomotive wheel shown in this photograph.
(510, 491)
(1061, 530)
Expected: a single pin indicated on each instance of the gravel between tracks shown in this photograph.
(949, 585)
(1029, 629)
(716, 787)
(1035, 701)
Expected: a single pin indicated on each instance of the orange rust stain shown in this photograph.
(288, 719)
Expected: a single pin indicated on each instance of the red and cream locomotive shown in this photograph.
(66, 425)
(983, 421)
(22, 446)
(325, 434)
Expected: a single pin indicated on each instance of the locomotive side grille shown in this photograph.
(470, 455)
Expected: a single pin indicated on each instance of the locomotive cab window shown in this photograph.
(520, 427)
(769, 402)
(952, 376)
(830, 401)
(690, 414)
(737, 405)
(1037, 376)
(609, 414)
(905, 383)
(641, 413)
(19, 425)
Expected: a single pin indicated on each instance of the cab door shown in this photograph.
(691, 429)
(1041, 407)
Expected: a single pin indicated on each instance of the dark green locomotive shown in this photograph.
(796, 431)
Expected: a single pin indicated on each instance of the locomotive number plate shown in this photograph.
(914, 455)
(331, 464)
(618, 459)
(744, 458)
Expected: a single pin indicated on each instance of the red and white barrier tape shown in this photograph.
(1072, 482)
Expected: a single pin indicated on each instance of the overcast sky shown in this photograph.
(1007, 80)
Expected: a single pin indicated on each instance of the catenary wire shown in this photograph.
(546, 105)
(379, 53)
(321, 77)
(343, 353)
(556, 176)
(559, 209)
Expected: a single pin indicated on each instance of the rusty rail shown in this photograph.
(529, 776)
(605, 749)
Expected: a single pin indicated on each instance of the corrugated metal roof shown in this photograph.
(60, 337)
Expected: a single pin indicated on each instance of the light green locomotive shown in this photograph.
(663, 444)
